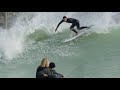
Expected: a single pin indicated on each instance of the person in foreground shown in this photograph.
(47, 71)
(74, 22)
(44, 65)
(53, 73)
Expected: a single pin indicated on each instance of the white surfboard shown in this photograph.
(72, 38)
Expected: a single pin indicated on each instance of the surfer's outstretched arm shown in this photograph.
(58, 25)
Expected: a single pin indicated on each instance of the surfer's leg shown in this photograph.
(84, 27)
(72, 28)
(88, 27)
(74, 31)
(79, 28)
(78, 25)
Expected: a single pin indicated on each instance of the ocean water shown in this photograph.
(96, 54)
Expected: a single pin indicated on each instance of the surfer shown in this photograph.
(74, 22)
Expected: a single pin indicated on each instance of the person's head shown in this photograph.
(52, 65)
(45, 63)
(64, 18)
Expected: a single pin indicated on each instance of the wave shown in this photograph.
(38, 35)
(39, 26)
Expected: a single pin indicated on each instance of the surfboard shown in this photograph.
(80, 34)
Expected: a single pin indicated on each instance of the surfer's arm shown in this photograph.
(58, 25)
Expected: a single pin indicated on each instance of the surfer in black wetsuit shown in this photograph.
(74, 22)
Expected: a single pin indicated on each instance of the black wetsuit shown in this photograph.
(74, 22)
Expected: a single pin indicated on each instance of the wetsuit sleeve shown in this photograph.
(59, 25)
